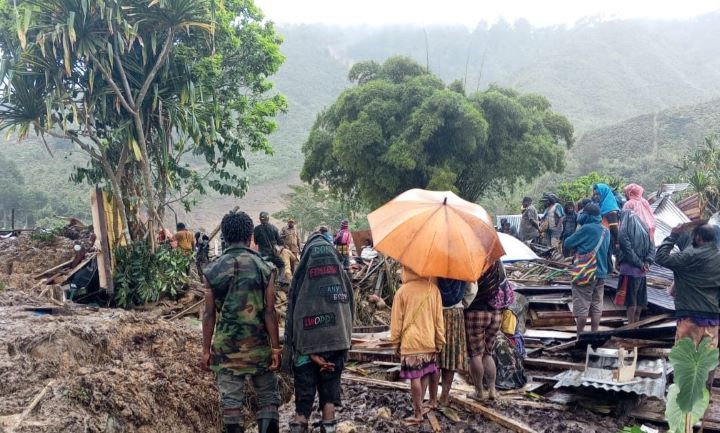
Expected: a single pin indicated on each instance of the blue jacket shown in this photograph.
(586, 238)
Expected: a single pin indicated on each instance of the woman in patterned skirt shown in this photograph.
(417, 328)
(454, 357)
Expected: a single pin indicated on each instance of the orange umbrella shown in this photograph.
(436, 234)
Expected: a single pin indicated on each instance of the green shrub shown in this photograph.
(142, 277)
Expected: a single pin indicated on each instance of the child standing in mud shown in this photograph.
(418, 331)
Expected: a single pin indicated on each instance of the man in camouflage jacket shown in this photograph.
(240, 327)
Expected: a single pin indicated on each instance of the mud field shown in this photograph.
(73, 368)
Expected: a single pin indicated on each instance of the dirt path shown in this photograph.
(261, 197)
(115, 371)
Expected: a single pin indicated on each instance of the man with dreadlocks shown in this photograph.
(240, 314)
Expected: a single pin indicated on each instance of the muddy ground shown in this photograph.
(110, 370)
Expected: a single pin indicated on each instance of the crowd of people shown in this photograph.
(615, 234)
(439, 326)
(610, 232)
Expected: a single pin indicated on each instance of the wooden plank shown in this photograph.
(492, 415)
(386, 364)
(540, 405)
(100, 227)
(538, 333)
(71, 272)
(370, 330)
(559, 347)
(53, 269)
(654, 352)
(551, 364)
(568, 328)
(488, 413)
(367, 355)
(434, 423)
(629, 343)
(644, 322)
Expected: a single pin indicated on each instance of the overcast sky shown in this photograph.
(470, 12)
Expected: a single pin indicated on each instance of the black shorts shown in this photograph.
(636, 291)
(309, 381)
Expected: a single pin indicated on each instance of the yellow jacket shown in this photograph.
(185, 240)
(416, 323)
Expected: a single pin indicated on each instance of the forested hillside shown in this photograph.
(646, 148)
(595, 73)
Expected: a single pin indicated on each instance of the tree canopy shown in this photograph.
(581, 187)
(164, 96)
(315, 207)
(401, 127)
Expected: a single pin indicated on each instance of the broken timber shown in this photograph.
(492, 415)
(486, 412)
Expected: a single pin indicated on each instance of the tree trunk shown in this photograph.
(117, 192)
(145, 170)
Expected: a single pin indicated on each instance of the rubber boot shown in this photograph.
(328, 426)
(268, 421)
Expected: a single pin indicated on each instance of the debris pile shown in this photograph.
(79, 370)
(375, 282)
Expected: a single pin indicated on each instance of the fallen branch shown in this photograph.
(32, 405)
(185, 311)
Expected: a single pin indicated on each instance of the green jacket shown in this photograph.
(697, 277)
(241, 344)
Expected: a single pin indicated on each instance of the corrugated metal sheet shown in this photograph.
(514, 220)
(660, 273)
(667, 189)
(640, 386)
(652, 387)
(672, 188)
(668, 216)
(657, 297)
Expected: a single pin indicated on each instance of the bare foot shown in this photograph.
(477, 396)
(431, 405)
(444, 401)
(492, 393)
(413, 420)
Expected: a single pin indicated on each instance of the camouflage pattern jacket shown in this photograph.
(241, 344)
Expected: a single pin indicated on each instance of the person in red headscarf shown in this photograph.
(641, 207)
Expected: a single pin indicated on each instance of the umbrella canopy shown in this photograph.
(515, 250)
(436, 234)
